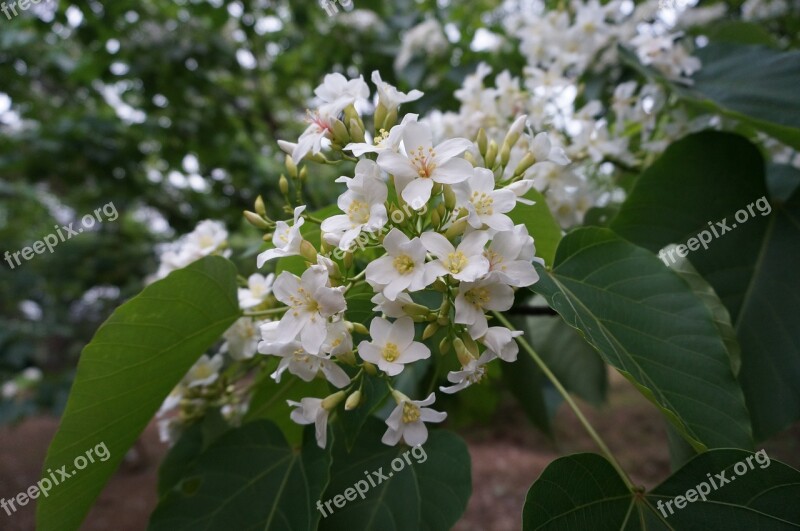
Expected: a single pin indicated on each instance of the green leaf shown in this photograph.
(752, 267)
(373, 393)
(180, 458)
(136, 358)
(583, 488)
(722, 319)
(428, 492)
(645, 321)
(541, 225)
(525, 381)
(250, 478)
(738, 32)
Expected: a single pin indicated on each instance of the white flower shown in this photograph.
(389, 96)
(207, 238)
(310, 411)
(287, 239)
(401, 268)
(484, 204)
(472, 373)
(510, 257)
(465, 263)
(543, 150)
(475, 298)
(338, 340)
(241, 339)
(317, 135)
(392, 345)
(385, 142)
(204, 372)
(422, 164)
(393, 308)
(257, 290)
(310, 303)
(407, 420)
(337, 92)
(363, 204)
(500, 342)
(427, 36)
(303, 364)
(171, 402)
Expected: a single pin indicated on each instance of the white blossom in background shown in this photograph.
(209, 237)
(204, 372)
(259, 287)
(426, 38)
(241, 339)
(310, 411)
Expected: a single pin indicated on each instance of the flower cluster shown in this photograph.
(456, 245)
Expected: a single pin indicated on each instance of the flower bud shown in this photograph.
(483, 142)
(444, 346)
(439, 285)
(340, 134)
(391, 119)
(283, 185)
(308, 252)
(379, 117)
(505, 155)
(456, 229)
(359, 328)
(370, 368)
(515, 131)
(261, 210)
(353, 401)
(291, 167)
(449, 197)
(464, 357)
(332, 401)
(430, 330)
(303, 174)
(437, 189)
(357, 132)
(414, 309)
(491, 154)
(267, 237)
(527, 161)
(470, 158)
(256, 220)
(436, 219)
(348, 260)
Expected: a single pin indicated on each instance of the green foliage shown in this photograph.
(152, 340)
(584, 488)
(649, 325)
(751, 267)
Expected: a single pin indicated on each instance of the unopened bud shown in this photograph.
(391, 119)
(267, 237)
(462, 353)
(412, 308)
(370, 368)
(456, 229)
(444, 346)
(303, 174)
(436, 219)
(359, 328)
(283, 185)
(256, 220)
(261, 210)
(470, 158)
(527, 161)
(437, 189)
(515, 131)
(430, 330)
(348, 260)
(332, 401)
(439, 285)
(291, 167)
(379, 117)
(471, 345)
(505, 155)
(483, 142)
(449, 197)
(491, 154)
(340, 134)
(308, 252)
(357, 131)
(353, 401)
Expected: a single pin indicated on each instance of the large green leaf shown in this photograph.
(583, 491)
(752, 267)
(428, 492)
(645, 321)
(248, 479)
(136, 358)
(541, 225)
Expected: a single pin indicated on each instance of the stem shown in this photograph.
(568, 399)
(272, 311)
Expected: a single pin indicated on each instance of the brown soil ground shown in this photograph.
(507, 457)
